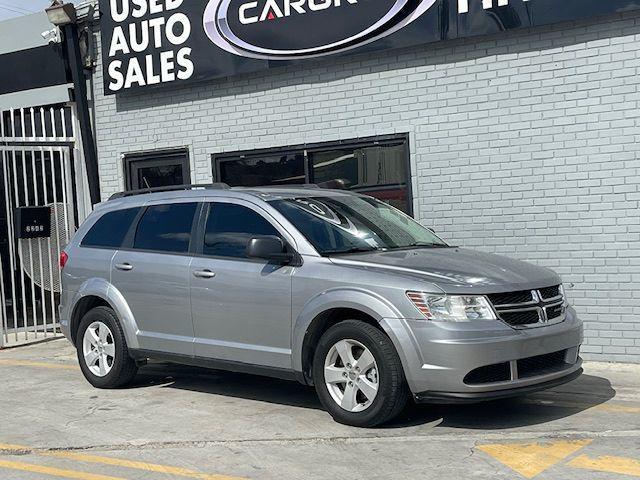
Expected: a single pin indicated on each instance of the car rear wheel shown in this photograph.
(102, 350)
(358, 375)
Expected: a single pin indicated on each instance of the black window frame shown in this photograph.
(134, 221)
(154, 158)
(202, 227)
(310, 148)
(127, 244)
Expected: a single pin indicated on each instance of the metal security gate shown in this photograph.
(37, 146)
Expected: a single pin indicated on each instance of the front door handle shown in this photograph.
(204, 273)
(125, 267)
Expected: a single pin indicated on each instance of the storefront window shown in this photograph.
(157, 169)
(379, 171)
(377, 167)
(276, 169)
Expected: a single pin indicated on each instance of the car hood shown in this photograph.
(455, 269)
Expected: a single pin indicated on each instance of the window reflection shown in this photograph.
(161, 176)
(379, 171)
(281, 169)
(377, 168)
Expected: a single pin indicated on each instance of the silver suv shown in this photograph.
(326, 287)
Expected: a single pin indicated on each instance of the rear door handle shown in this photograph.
(124, 266)
(204, 273)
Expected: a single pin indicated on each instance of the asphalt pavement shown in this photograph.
(185, 422)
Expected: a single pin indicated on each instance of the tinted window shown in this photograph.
(110, 230)
(157, 169)
(377, 168)
(166, 228)
(160, 176)
(230, 227)
(275, 169)
(379, 171)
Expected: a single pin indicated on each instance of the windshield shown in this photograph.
(349, 224)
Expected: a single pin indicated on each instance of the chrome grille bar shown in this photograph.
(546, 308)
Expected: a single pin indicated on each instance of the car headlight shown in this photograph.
(452, 308)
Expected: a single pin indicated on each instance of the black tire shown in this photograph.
(123, 368)
(392, 390)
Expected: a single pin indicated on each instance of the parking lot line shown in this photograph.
(613, 407)
(117, 462)
(27, 363)
(149, 467)
(14, 448)
(608, 464)
(56, 472)
(531, 459)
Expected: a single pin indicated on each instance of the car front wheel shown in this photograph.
(358, 375)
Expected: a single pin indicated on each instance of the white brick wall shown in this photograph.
(524, 144)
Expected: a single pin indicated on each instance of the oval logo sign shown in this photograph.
(289, 29)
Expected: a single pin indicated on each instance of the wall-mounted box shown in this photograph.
(32, 222)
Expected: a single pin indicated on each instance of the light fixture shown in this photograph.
(61, 14)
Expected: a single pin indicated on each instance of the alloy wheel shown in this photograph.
(351, 375)
(99, 349)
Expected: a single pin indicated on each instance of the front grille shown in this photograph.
(522, 368)
(549, 292)
(500, 372)
(511, 298)
(555, 311)
(522, 317)
(542, 364)
(528, 308)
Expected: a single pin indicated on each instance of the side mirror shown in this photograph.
(268, 247)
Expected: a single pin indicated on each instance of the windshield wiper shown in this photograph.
(351, 250)
(426, 245)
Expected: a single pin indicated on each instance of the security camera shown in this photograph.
(52, 36)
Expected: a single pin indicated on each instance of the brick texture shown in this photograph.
(524, 144)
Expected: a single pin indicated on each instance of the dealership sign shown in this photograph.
(277, 30)
(166, 30)
(147, 43)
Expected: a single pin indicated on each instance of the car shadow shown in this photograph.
(563, 401)
(583, 393)
(229, 384)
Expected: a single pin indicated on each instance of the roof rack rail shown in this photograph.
(172, 188)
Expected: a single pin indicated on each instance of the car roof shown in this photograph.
(265, 193)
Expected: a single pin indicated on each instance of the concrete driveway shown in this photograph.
(184, 422)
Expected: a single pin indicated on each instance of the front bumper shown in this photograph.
(473, 397)
(439, 357)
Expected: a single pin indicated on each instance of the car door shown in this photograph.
(241, 307)
(152, 272)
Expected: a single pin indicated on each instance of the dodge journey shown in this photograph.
(326, 287)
